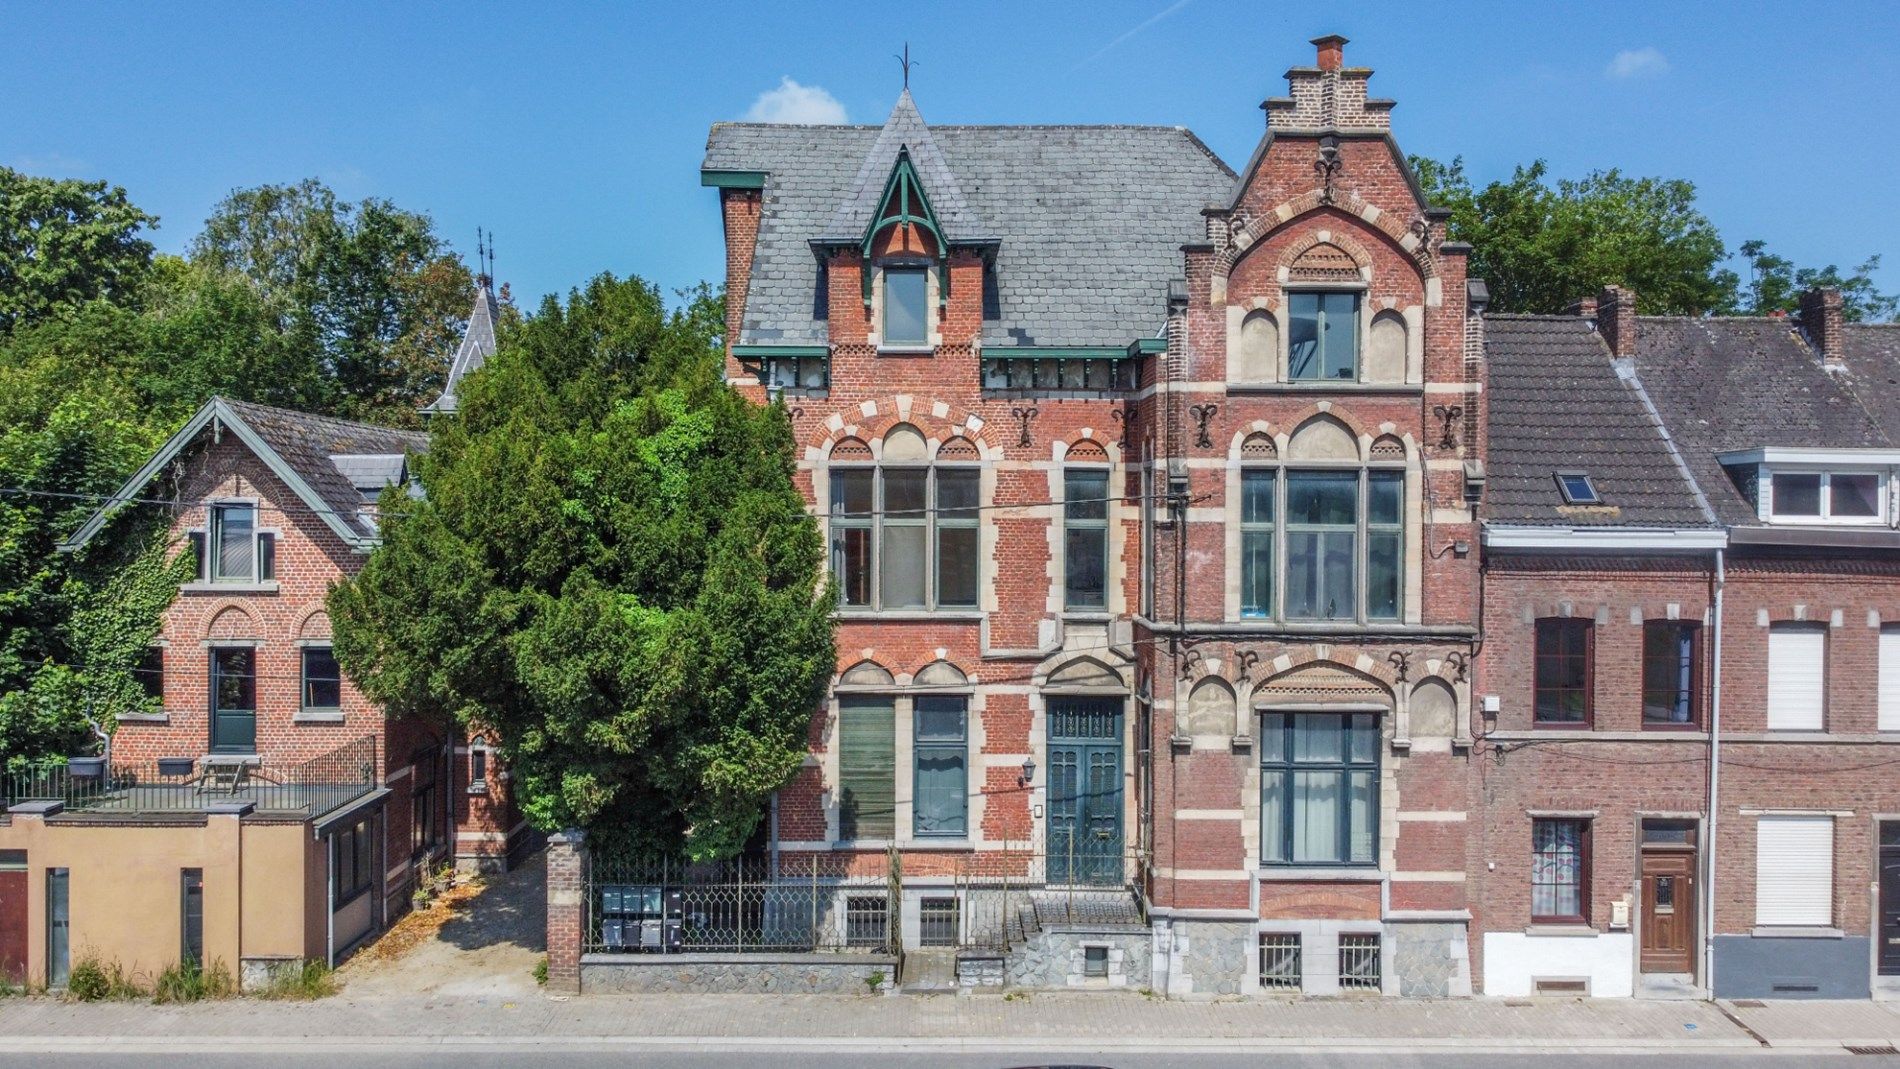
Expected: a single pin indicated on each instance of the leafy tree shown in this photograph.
(368, 287)
(65, 243)
(611, 570)
(1540, 245)
(1775, 285)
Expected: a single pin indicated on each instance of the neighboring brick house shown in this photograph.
(1149, 488)
(258, 722)
(1619, 633)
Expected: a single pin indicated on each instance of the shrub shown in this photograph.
(190, 982)
(92, 980)
(541, 971)
(300, 981)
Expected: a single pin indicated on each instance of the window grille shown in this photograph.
(938, 922)
(1279, 961)
(1359, 962)
(867, 920)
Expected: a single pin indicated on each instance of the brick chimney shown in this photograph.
(1332, 51)
(1824, 320)
(1616, 320)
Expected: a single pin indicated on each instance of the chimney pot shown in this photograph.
(1616, 320)
(1825, 320)
(1332, 51)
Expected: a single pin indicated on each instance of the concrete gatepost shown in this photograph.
(567, 916)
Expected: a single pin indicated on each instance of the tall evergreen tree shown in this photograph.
(612, 571)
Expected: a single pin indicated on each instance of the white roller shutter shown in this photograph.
(1794, 871)
(1890, 679)
(1797, 656)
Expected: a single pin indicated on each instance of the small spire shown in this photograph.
(905, 62)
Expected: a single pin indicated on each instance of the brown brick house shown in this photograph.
(256, 727)
(1148, 488)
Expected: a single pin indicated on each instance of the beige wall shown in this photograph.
(125, 886)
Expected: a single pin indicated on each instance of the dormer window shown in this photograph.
(906, 306)
(1323, 336)
(1827, 496)
(1577, 488)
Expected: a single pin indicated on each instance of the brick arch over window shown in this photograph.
(231, 621)
(958, 448)
(1387, 447)
(877, 417)
(1086, 451)
(1259, 446)
(866, 673)
(1250, 231)
(1323, 437)
(1343, 415)
(1324, 262)
(1084, 672)
(1328, 677)
(940, 674)
(315, 625)
(850, 449)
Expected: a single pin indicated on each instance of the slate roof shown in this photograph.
(1090, 220)
(478, 344)
(1733, 383)
(1872, 354)
(324, 460)
(904, 129)
(1557, 403)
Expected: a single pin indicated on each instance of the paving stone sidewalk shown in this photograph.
(1104, 1020)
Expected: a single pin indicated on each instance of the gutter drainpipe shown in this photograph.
(1715, 783)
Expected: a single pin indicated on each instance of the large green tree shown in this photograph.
(368, 289)
(65, 243)
(1540, 245)
(1775, 284)
(611, 570)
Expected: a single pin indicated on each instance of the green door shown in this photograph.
(233, 700)
(1085, 791)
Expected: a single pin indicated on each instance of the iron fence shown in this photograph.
(849, 902)
(1359, 962)
(308, 788)
(794, 903)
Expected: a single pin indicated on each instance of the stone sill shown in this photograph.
(1325, 387)
(874, 616)
(1563, 931)
(318, 716)
(907, 350)
(145, 718)
(1793, 932)
(269, 586)
(1327, 874)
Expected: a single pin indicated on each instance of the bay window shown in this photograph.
(905, 537)
(1319, 788)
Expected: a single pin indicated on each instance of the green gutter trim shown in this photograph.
(802, 352)
(733, 179)
(1150, 346)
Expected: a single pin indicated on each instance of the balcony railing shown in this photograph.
(305, 789)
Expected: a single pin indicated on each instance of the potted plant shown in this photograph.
(86, 767)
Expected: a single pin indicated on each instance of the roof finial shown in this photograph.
(484, 256)
(905, 62)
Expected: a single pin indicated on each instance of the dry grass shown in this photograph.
(418, 926)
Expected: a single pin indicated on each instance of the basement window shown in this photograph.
(1577, 488)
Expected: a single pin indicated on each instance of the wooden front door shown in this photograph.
(13, 917)
(1669, 901)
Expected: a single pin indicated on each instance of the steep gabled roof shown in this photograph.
(309, 453)
(1557, 403)
(478, 344)
(903, 132)
(1090, 221)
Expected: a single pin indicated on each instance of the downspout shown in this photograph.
(1715, 781)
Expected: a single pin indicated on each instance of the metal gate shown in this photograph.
(1085, 791)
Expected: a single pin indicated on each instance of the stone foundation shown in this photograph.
(804, 974)
(1210, 958)
(1429, 959)
(1058, 958)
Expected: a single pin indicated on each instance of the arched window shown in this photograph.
(1258, 350)
(904, 530)
(1322, 534)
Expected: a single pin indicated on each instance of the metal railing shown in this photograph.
(307, 788)
(801, 903)
(813, 902)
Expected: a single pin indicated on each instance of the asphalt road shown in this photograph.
(115, 1054)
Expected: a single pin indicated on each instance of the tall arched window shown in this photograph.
(1322, 533)
(904, 530)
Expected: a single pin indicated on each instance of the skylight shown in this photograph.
(1577, 488)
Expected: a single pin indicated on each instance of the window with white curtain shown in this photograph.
(1319, 788)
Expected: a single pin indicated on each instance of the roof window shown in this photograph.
(1578, 489)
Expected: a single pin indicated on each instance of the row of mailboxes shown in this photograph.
(640, 918)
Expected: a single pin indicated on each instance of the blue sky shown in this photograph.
(574, 131)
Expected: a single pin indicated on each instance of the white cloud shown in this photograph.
(794, 103)
(1646, 62)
